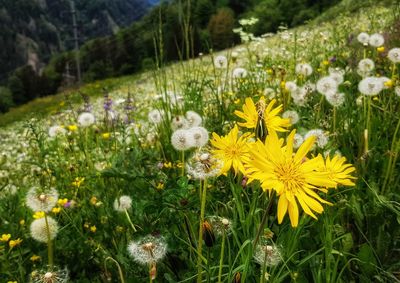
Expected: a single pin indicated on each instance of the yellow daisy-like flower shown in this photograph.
(293, 176)
(231, 149)
(338, 170)
(251, 114)
(5, 237)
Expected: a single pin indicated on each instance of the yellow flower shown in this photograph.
(78, 181)
(160, 186)
(35, 258)
(93, 228)
(251, 114)
(106, 136)
(56, 210)
(62, 201)
(388, 83)
(294, 177)
(22, 222)
(231, 149)
(93, 200)
(325, 62)
(72, 128)
(5, 237)
(167, 165)
(338, 170)
(38, 214)
(380, 49)
(14, 243)
(12, 281)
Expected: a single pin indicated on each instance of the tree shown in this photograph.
(221, 28)
(6, 100)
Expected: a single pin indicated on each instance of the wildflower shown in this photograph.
(5, 237)
(337, 75)
(39, 214)
(304, 69)
(56, 210)
(40, 231)
(386, 82)
(193, 119)
(148, 250)
(335, 98)
(34, 258)
(199, 136)
(239, 73)
(370, 86)
(376, 40)
(62, 202)
(41, 200)
(220, 62)
(297, 141)
(290, 86)
(182, 140)
(72, 128)
(397, 90)
(14, 243)
(93, 229)
(268, 255)
(231, 149)
(363, 38)
(160, 186)
(86, 119)
(208, 234)
(78, 182)
(123, 203)
(291, 175)
(155, 116)
(394, 55)
(292, 115)
(326, 85)
(321, 138)
(203, 165)
(51, 275)
(22, 222)
(381, 49)
(338, 170)
(56, 131)
(268, 114)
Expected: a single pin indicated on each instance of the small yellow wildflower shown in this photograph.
(12, 281)
(236, 101)
(5, 237)
(325, 62)
(283, 85)
(78, 181)
(160, 186)
(86, 225)
(22, 222)
(119, 229)
(38, 214)
(380, 49)
(93, 229)
(72, 128)
(56, 210)
(14, 243)
(388, 83)
(93, 200)
(35, 258)
(106, 136)
(167, 165)
(62, 201)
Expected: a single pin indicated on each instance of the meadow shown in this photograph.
(273, 161)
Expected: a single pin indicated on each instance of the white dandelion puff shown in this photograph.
(56, 131)
(123, 203)
(40, 230)
(193, 119)
(156, 116)
(86, 119)
(148, 250)
(266, 254)
(376, 40)
(41, 200)
(304, 69)
(370, 86)
(182, 140)
(50, 275)
(292, 115)
(335, 98)
(291, 86)
(220, 62)
(199, 136)
(297, 141)
(326, 85)
(239, 73)
(394, 55)
(363, 38)
(321, 138)
(179, 122)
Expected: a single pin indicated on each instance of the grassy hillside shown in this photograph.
(274, 161)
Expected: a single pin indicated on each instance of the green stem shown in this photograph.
(390, 161)
(221, 258)
(130, 221)
(200, 243)
(334, 120)
(121, 275)
(50, 257)
(264, 220)
(183, 163)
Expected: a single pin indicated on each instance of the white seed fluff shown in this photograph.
(39, 230)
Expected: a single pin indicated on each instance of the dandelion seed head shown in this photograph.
(199, 135)
(326, 85)
(220, 225)
(321, 140)
(304, 69)
(41, 200)
(394, 55)
(291, 86)
(370, 86)
(56, 131)
(220, 62)
(203, 165)
(123, 203)
(292, 115)
(39, 231)
(50, 275)
(179, 122)
(182, 140)
(148, 250)
(269, 255)
(297, 141)
(335, 98)
(239, 73)
(193, 119)
(365, 66)
(155, 116)
(363, 37)
(376, 40)
(86, 119)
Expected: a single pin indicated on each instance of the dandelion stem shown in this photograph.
(391, 161)
(49, 244)
(183, 163)
(221, 259)
(264, 220)
(200, 242)
(130, 221)
(121, 275)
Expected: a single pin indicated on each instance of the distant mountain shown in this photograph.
(32, 30)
